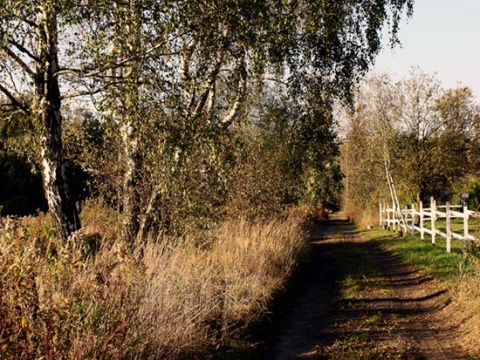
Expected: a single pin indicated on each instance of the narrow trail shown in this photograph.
(396, 313)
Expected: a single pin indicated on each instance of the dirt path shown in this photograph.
(392, 313)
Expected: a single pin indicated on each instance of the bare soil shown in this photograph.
(397, 314)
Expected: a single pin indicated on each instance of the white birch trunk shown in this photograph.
(49, 117)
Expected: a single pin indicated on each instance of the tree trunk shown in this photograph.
(127, 110)
(49, 118)
(131, 196)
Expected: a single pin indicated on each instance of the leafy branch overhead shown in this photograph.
(185, 70)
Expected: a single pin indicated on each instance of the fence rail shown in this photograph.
(414, 219)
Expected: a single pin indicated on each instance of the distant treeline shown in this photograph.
(427, 137)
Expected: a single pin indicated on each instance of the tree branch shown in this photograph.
(23, 50)
(284, 83)
(210, 84)
(90, 92)
(186, 78)
(242, 88)
(20, 62)
(14, 102)
(112, 65)
(30, 22)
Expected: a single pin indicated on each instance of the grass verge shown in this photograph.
(421, 253)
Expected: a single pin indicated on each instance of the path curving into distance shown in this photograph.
(393, 313)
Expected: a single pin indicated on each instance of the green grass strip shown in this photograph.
(422, 254)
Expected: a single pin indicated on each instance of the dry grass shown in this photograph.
(466, 293)
(168, 300)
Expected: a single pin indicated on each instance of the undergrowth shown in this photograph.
(94, 299)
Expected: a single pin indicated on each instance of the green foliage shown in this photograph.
(289, 157)
(173, 83)
(21, 190)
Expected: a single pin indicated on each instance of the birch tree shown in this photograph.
(369, 150)
(30, 85)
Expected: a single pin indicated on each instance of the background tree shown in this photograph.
(420, 148)
(426, 131)
(459, 113)
(369, 147)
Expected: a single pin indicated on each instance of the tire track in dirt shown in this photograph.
(399, 314)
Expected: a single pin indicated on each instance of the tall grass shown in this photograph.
(96, 300)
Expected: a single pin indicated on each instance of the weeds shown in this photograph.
(166, 300)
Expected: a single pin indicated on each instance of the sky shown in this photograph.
(442, 37)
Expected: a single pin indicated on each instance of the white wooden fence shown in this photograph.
(391, 219)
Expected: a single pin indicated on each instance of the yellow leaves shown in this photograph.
(23, 322)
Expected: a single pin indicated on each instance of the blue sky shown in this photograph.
(443, 36)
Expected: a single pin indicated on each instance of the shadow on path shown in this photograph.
(359, 301)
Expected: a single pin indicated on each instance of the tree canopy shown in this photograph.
(173, 82)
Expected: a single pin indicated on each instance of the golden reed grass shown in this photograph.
(166, 300)
(466, 296)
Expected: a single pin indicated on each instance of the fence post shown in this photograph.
(395, 225)
(380, 214)
(392, 219)
(433, 209)
(465, 223)
(387, 217)
(422, 233)
(413, 220)
(448, 211)
(385, 213)
(391, 215)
